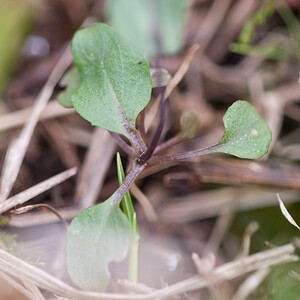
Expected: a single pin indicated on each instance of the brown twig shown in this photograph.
(17, 150)
(144, 202)
(16, 267)
(123, 145)
(94, 168)
(17, 118)
(27, 208)
(36, 190)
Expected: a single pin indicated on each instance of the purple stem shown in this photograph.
(123, 145)
(185, 155)
(135, 170)
(136, 140)
(147, 155)
(168, 143)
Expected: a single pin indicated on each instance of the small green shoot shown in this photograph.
(131, 215)
(126, 200)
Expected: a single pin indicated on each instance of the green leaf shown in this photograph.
(142, 20)
(131, 215)
(71, 81)
(246, 133)
(115, 79)
(126, 200)
(96, 237)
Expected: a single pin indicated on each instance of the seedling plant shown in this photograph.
(109, 86)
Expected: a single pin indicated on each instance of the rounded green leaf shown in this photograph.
(114, 79)
(246, 133)
(96, 237)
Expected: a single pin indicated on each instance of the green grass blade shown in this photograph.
(126, 200)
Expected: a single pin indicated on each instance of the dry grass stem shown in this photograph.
(76, 135)
(43, 217)
(18, 286)
(290, 152)
(182, 70)
(36, 190)
(20, 269)
(66, 151)
(237, 268)
(95, 167)
(288, 93)
(221, 226)
(251, 284)
(205, 267)
(18, 118)
(17, 149)
(135, 287)
(235, 20)
(27, 208)
(286, 213)
(250, 230)
(273, 115)
(203, 205)
(144, 202)
(274, 173)
(234, 77)
(34, 290)
(211, 23)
